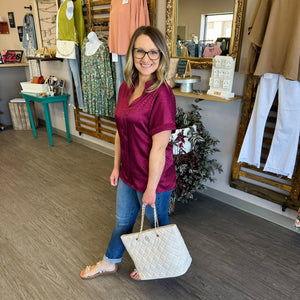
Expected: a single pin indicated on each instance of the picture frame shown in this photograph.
(11, 18)
(20, 33)
(14, 56)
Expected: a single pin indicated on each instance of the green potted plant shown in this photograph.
(192, 148)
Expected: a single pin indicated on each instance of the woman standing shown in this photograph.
(143, 166)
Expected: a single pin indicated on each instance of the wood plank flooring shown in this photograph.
(57, 213)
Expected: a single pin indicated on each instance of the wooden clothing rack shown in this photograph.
(96, 18)
(275, 188)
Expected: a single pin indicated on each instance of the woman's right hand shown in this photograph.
(114, 177)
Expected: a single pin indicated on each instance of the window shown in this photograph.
(216, 26)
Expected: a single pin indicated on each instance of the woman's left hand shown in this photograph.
(149, 198)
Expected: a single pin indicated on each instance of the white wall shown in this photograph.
(11, 41)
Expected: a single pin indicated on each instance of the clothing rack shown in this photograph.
(275, 188)
(101, 127)
(97, 16)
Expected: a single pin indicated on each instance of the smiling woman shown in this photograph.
(143, 169)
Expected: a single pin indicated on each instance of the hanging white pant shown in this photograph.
(283, 152)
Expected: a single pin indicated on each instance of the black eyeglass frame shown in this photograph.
(147, 52)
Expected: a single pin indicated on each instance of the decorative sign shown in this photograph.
(181, 67)
(184, 69)
(14, 56)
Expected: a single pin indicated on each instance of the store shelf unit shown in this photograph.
(43, 59)
(204, 96)
(9, 65)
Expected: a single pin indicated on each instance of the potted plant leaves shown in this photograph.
(193, 148)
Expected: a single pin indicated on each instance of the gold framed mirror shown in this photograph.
(239, 9)
(152, 11)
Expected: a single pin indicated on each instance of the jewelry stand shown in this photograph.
(221, 79)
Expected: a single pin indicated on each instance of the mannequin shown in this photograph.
(70, 27)
(93, 44)
(195, 39)
(70, 9)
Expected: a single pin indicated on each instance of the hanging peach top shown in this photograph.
(123, 21)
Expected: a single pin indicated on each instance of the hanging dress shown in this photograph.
(97, 82)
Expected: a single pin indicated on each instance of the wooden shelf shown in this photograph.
(204, 96)
(43, 59)
(8, 65)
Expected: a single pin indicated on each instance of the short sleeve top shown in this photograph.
(146, 116)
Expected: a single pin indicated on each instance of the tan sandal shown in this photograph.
(135, 275)
(98, 270)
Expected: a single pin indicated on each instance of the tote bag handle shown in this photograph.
(142, 221)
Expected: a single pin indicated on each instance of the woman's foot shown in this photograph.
(101, 268)
(135, 275)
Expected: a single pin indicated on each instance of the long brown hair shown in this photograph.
(160, 75)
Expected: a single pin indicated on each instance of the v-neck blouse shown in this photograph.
(146, 116)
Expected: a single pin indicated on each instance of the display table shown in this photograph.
(45, 101)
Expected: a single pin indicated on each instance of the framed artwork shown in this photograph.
(4, 28)
(20, 33)
(14, 56)
(11, 19)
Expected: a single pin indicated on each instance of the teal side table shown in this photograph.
(45, 101)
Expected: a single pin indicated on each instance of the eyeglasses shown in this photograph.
(140, 53)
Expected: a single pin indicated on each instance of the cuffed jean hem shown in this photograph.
(112, 260)
(129, 202)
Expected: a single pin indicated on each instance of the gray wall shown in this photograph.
(10, 88)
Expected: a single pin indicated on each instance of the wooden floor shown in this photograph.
(57, 212)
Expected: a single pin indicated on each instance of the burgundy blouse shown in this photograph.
(147, 115)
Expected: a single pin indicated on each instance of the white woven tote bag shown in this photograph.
(159, 252)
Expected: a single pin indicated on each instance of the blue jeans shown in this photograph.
(129, 202)
(74, 73)
(120, 66)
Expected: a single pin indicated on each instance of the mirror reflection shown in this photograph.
(203, 28)
(189, 16)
